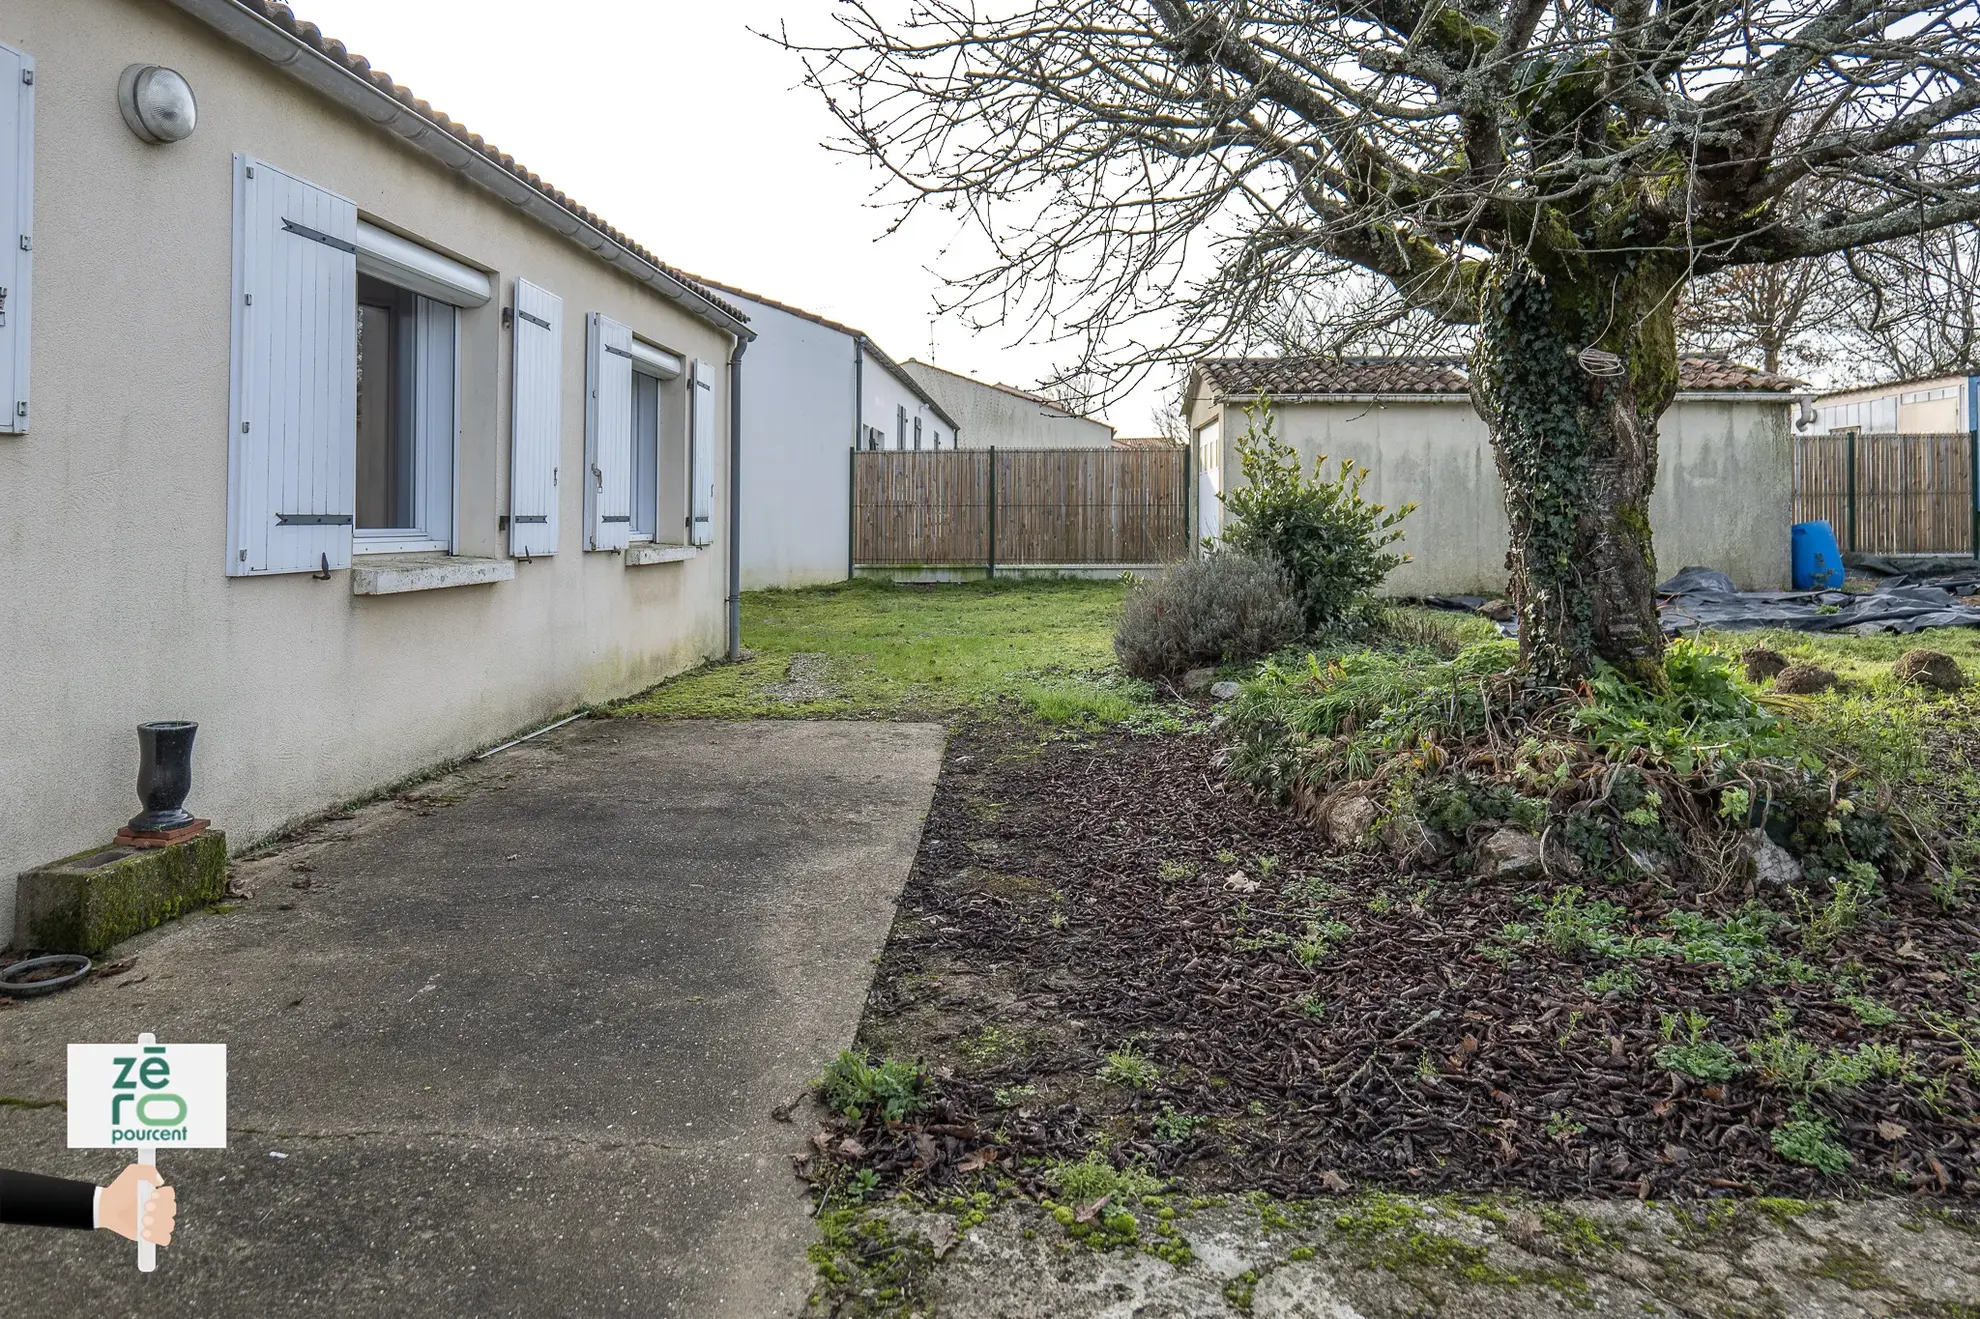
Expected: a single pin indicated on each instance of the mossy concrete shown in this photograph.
(98, 898)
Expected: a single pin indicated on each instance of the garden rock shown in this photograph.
(1773, 867)
(1226, 691)
(1762, 664)
(1508, 854)
(1932, 669)
(1803, 680)
(1347, 820)
(1197, 681)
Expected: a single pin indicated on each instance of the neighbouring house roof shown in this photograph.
(1145, 442)
(1957, 373)
(1012, 390)
(279, 20)
(873, 350)
(1282, 377)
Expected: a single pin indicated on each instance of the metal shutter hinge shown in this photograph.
(20, 409)
(248, 299)
(27, 243)
(27, 76)
(244, 428)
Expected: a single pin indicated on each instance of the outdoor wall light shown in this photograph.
(157, 102)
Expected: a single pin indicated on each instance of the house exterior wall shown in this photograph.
(987, 415)
(114, 603)
(1912, 407)
(799, 383)
(1722, 498)
(883, 394)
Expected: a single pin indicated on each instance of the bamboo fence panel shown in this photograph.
(1913, 494)
(1054, 507)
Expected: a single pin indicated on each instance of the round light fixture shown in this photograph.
(157, 102)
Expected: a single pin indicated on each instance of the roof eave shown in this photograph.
(319, 72)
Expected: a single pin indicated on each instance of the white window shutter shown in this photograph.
(537, 421)
(292, 458)
(701, 466)
(16, 232)
(607, 432)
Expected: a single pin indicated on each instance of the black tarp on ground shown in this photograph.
(1698, 598)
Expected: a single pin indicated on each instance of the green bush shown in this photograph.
(1331, 542)
(1221, 608)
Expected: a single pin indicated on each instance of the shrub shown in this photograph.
(1222, 608)
(1331, 541)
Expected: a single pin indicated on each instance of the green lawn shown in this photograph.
(881, 649)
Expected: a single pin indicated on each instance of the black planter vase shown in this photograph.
(164, 775)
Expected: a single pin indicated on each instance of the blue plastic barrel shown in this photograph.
(1815, 557)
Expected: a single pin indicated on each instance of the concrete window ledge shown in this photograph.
(642, 554)
(390, 574)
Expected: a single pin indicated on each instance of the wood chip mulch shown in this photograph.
(1404, 1058)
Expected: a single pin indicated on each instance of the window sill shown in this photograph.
(642, 553)
(393, 574)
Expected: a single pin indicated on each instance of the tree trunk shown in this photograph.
(1576, 441)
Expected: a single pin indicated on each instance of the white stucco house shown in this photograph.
(1005, 417)
(1927, 405)
(1723, 494)
(327, 425)
(815, 391)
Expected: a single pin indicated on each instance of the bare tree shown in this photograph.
(1787, 316)
(1552, 171)
(1919, 310)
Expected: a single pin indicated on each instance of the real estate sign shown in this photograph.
(124, 1096)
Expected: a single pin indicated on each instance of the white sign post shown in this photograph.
(141, 1096)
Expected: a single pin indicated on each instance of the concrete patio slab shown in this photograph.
(517, 1034)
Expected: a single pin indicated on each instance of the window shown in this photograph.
(917, 432)
(635, 427)
(659, 446)
(405, 419)
(343, 411)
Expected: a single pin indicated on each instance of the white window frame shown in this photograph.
(662, 366)
(436, 502)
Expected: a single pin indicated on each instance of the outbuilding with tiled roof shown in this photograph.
(1724, 465)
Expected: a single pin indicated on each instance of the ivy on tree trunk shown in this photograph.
(1577, 454)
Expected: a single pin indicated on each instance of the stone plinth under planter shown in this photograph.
(90, 901)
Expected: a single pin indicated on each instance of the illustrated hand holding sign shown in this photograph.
(141, 1096)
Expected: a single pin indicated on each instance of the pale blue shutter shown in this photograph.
(701, 466)
(16, 232)
(536, 430)
(292, 461)
(608, 432)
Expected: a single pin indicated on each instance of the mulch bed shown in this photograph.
(1428, 1067)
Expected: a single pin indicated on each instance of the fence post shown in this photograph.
(1849, 489)
(852, 509)
(993, 512)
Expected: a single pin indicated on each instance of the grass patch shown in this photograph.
(892, 650)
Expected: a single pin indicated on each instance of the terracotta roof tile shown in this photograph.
(1279, 377)
(312, 36)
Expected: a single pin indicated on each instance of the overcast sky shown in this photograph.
(677, 125)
